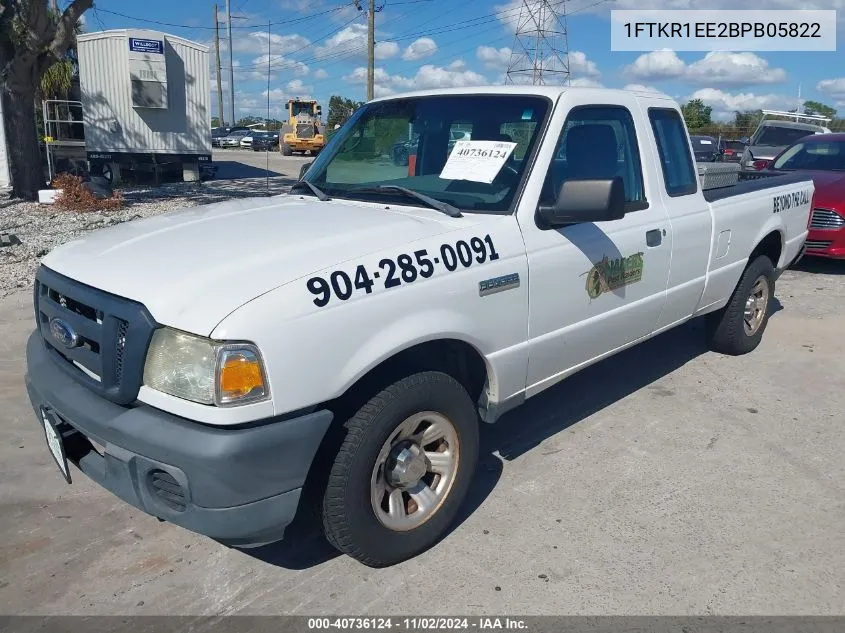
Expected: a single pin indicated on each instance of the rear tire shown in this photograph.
(738, 327)
(377, 508)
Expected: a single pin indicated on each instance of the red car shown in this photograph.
(822, 158)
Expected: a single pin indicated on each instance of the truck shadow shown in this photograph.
(820, 266)
(527, 427)
(235, 170)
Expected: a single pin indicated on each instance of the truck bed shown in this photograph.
(751, 182)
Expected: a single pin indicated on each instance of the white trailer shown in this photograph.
(146, 101)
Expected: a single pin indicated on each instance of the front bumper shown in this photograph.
(239, 486)
(826, 243)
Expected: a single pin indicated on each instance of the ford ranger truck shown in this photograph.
(230, 367)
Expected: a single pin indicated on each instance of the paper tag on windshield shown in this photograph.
(704, 141)
(479, 161)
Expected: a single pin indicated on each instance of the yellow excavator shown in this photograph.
(304, 130)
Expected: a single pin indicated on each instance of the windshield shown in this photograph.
(735, 145)
(301, 108)
(825, 156)
(492, 137)
(775, 136)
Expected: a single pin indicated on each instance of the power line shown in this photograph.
(247, 26)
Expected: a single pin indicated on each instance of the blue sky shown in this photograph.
(317, 48)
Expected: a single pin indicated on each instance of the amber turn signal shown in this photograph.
(241, 377)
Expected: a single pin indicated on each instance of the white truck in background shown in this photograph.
(226, 366)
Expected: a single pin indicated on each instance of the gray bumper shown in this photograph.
(240, 486)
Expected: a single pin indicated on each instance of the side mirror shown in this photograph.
(586, 201)
(304, 168)
(744, 140)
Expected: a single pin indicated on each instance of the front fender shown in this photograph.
(314, 354)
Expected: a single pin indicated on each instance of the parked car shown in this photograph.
(234, 138)
(733, 150)
(219, 133)
(403, 149)
(357, 331)
(771, 138)
(265, 141)
(822, 158)
(706, 149)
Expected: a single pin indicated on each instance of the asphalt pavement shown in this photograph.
(665, 480)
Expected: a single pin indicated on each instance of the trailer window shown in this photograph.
(674, 150)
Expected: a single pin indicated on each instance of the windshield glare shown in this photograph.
(820, 156)
(407, 142)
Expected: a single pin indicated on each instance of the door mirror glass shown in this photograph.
(586, 201)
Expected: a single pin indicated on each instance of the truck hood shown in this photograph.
(193, 267)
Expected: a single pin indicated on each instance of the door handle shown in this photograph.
(654, 237)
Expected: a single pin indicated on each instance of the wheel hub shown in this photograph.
(405, 466)
(414, 471)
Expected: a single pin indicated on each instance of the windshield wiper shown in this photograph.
(443, 207)
(321, 196)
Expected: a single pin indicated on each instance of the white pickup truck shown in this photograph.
(347, 338)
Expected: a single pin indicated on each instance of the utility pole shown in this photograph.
(371, 50)
(231, 65)
(219, 69)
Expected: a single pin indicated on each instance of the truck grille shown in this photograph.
(112, 334)
(826, 219)
(817, 245)
(305, 130)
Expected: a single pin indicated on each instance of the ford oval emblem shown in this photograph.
(63, 333)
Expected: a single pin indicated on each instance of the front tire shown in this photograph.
(738, 327)
(402, 471)
(286, 150)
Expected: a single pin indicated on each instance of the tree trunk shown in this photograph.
(27, 169)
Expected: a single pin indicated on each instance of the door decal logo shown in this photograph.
(611, 274)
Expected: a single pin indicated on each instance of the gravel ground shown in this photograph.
(40, 228)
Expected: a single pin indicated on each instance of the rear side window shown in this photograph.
(673, 147)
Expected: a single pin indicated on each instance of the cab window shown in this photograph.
(673, 148)
(597, 143)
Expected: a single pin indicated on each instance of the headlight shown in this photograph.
(205, 371)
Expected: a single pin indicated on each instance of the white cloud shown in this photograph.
(656, 65)
(458, 64)
(724, 104)
(640, 88)
(420, 48)
(352, 41)
(717, 68)
(320, 74)
(428, 76)
(296, 88)
(256, 42)
(385, 50)
(580, 65)
(585, 82)
(279, 63)
(494, 58)
(833, 88)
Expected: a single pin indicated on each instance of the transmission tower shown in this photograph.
(541, 46)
